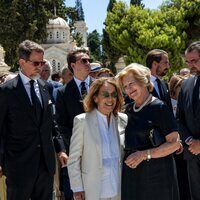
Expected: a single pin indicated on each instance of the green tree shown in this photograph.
(137, 3)
(71, 16)
(110, 5)
(188, 20)
(79, 9)
(110, 54)
(20, 21)
(134, 31)
(94, 43)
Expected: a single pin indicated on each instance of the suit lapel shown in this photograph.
(118, 129)
(73, 89)
(93, 123)
(22, 95)
(154, 93)
(45, 96)
(192, 85)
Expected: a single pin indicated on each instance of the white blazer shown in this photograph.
(85, 158)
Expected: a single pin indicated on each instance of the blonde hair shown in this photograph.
(141, 75)
(89, 103)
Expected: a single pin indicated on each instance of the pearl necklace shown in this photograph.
(144, 104)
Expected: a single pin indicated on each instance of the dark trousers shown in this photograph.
(65, 184)
(182, 175)
(28, 187)
(194, 177)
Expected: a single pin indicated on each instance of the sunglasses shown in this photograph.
(106, 94)
(37, 63)
(85, 60)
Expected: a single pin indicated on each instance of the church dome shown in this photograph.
(58, 31)
(58, 23)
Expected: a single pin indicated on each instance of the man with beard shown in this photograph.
(27, 130)
(189, 118)
(158, 62)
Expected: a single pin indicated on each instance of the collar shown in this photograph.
(78, 82)
(153, 78)
(25, 79)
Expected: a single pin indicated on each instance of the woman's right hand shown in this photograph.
(79, 195)
(134, 159)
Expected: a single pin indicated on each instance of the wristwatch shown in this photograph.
(148, 155)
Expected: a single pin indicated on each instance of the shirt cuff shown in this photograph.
(78, 189)
(188, 139)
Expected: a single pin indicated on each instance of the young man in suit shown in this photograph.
(69, 102)
(158, 62)
(27, 156)
(189, 118)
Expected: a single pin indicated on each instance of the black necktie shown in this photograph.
(159, 88)
(35, 102)
(83, 90)
(196, 94)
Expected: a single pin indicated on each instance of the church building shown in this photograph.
(59, 41)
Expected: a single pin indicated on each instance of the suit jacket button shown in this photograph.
(38, 146)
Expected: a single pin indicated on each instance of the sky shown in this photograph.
(95, 11)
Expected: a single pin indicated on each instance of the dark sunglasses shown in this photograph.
(37, 63)
(106, 94)
(85, 60)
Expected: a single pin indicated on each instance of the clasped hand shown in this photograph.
(134, 159)
(194, 146)
(63, 158)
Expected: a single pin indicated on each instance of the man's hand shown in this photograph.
(62, 156)
(194, 147)
(1, 172)
(79, 195)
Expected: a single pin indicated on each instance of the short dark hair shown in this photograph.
(154, 55)
(71, 57)
(55, 76)
(27, 47)
(193, 46)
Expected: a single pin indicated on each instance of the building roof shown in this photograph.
(58, 22)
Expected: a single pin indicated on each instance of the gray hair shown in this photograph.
(27, 47)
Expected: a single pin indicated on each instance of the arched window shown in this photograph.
(58, 66)
(54, 66)
(50, 35)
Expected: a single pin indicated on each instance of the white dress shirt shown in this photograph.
(78, 83)
(26, 83)
(155, 84)
(110, 155)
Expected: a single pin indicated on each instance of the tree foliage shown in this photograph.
(188, 19)
(134, 31)
(27, 20)
(94, 43)
(79, 9)
(137, 3)
(110, 5)
(110, 53)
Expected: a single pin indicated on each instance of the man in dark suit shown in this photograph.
(158, 62)
(188, 115)
(69, 101)
(27, 156)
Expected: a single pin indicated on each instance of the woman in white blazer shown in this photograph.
(95, 155)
